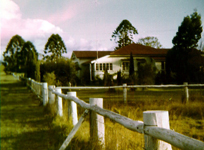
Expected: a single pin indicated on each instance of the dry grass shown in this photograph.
(25, 124)
(184, 118)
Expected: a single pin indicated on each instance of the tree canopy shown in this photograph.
(12, 53)
(150, 41)
(189, 32)
(54, 47)
(123, 35)
(179, 58)
(29, 58)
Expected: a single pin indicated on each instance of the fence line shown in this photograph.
(167, 135)
(156, 132)
(125, 86)
(131, 86)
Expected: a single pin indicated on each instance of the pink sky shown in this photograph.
(88, 25)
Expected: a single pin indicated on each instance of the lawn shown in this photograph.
(26, 124)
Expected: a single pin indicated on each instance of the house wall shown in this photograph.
(80, 62)
(159, 66)
(117, 63)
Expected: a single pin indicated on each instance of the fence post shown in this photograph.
(186, 93)
(51, 96)
(97, 126)
(159, 119)
(59, 103)
(39, 89)
(32, 85)
(125, 92)
(72, 109)
(45, 93)
(28, 82)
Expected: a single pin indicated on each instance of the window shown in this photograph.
(111, 66)
(104, 66)
(101, 66)
(107, 66)
(125, 65)
(96, 66)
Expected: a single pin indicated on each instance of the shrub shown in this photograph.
(146, 74)
(50, 78)
(64, 70)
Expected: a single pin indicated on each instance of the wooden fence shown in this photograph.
(185, 86)
(155, 126)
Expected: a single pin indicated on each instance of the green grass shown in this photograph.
(26, 124)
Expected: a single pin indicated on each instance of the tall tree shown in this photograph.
(123, 35)
(54, 47)
(12, 53)
(29, 58)
(178, 59)
(150, 41)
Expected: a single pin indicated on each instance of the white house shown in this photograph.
(118, 60)
(83, 58)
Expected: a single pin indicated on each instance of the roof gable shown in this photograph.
(138, 49)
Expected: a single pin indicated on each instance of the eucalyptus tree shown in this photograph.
(29, 58)
(123, 35)
(12, 53)
(183, 58)
(54, 48)
(150, 41)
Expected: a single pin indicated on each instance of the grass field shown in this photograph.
(26, 124)
(187, 119)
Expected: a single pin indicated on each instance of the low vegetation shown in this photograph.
(186, 119)
(40, 128)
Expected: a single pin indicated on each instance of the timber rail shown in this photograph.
(151, 127)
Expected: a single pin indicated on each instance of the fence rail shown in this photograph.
(151, 128)
(185, 86)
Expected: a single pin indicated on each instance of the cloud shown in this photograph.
(39, 30)
(12, 23)
(70, 10)
(9, 10)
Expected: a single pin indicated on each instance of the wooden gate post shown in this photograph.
(45, 93)
(72, 109)
(97, 126)
(31, 84)
(51, 96)
(59, 103)
(159, 119)
(186, 93)
(28, 82)
(125, 92)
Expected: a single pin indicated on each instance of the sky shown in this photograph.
(89, 24)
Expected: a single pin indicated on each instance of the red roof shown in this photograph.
(91, 54)
(138, 49)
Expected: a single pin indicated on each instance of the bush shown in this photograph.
(146, 74)
(64, 70)
(50, 78)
